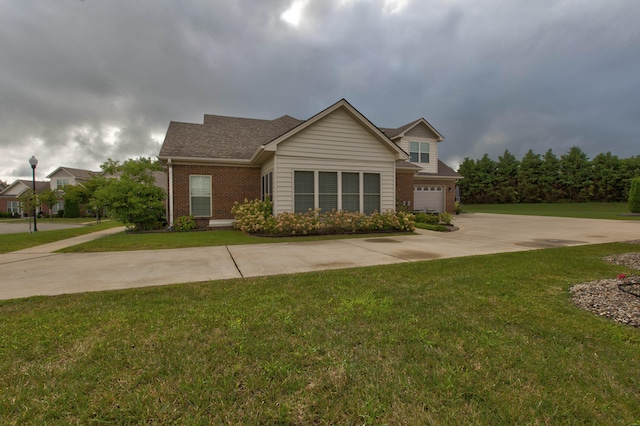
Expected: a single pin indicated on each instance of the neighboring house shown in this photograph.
(63, 176)
(336, 159)
(9, 196)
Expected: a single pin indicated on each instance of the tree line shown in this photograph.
(536, 178)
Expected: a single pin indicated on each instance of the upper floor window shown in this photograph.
(61, 183)
(419, 152)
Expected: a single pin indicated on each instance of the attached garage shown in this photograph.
(429, 197)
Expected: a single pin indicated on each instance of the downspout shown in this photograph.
(170, 192)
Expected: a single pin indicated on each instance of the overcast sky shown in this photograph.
(86, 80)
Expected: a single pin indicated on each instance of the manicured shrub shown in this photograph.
(434, 219)
(71, 208)
(634, 195)
(185, 223)
(255, 217)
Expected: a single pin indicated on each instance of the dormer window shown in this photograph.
(419, 152)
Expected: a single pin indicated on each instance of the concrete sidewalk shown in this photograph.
(38, 271)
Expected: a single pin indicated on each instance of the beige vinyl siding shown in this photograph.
(336, 143)
(421, 131)
(336, 136)
(283, 181)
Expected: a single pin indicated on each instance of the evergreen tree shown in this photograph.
(607, 180)
(466, 185)
(575, 175)
(486, 192)
(634, 195)
(506, 178)
(550, 177)
(530, 178)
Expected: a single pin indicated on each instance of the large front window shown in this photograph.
(349, 191)
(304, 191)
(200, 195)
(328, 191)
(419, 152)
(371, 192)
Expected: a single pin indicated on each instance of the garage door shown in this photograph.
(428, 197)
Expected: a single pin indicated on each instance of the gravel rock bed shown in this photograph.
(614, 298)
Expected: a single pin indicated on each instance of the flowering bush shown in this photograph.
(255, 217)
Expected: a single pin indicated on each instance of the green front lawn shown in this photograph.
(580, 210)
(479, 340)
(168, 240)
(19, 241)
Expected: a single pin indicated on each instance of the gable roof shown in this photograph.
(81, 174)
(246, 139)
(402, 130)
(341, 104)
(26, 184)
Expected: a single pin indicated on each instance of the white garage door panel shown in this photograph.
(428, 198)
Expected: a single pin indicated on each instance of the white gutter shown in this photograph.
(170, 191)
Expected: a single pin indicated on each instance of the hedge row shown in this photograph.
(255, 217)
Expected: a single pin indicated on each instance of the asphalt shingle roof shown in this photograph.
(236, 138)
(223, 137)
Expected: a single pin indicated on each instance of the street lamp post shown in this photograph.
(34, 162)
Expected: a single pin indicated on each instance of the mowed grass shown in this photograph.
(219, 237)
(581, 210)
(479, 340)
(23, 240)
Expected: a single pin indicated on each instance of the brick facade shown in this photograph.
(404, 189)
(228, 185)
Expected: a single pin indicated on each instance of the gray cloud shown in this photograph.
(82, 81)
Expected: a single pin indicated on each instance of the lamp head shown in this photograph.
(33, 161)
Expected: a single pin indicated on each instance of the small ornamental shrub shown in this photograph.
(255, 217)
(185, 223)
(445, 218)
(428, 218)
(634, 195)
(71, 208)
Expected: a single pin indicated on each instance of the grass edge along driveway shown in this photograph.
(488, 339)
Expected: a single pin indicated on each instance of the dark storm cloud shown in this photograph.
(82, 81)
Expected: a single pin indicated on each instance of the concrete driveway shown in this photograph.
(38, 271)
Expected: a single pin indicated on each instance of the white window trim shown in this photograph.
(210, 197)
(420, 141)
(316, 187)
